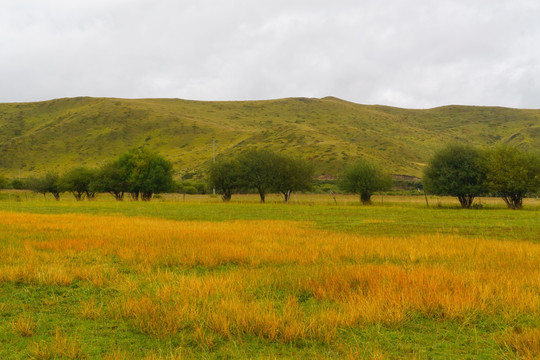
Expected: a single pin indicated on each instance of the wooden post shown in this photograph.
(333, 196)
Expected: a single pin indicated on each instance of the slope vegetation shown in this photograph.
(62, 133)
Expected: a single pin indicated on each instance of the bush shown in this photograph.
(191, 190)
(19, 184)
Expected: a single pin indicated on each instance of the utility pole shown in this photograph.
(213, 150)
(213, 159)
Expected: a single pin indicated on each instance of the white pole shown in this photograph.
(214, 159)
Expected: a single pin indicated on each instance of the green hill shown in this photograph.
(62, 133)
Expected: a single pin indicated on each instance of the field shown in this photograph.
(183, 278)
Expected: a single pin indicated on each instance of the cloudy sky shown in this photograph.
(407, 53)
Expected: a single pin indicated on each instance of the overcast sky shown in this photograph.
(406, 53)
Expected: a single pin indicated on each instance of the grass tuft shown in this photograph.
(24, 326)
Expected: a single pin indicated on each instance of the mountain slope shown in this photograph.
(62, 133)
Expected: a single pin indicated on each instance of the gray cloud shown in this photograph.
(416, 53)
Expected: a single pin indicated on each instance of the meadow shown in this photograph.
(182, 278)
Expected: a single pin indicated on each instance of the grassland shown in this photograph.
(197, 278)
(59, 134)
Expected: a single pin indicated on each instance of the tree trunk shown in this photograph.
(146, 196)
(79, 195)
(466, 201)
(287, 196)
(365, 198)
(513, 201)
(118, 196)
(226, 196)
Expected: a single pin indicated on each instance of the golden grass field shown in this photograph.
(208, 285)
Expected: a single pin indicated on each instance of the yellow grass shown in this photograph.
(24, 326)
(524, 342)
(61, 347)
(277, 280)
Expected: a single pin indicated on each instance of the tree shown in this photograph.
(456, 170)
(512, 174)
(78, 182)
(365, 178)
(111, 178)
(224, 175)
(49, 183)
(291, 174)
(148, 173)
(257, 170)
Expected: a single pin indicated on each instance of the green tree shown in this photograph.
(257, 170)
(224, 175)
(456, 170)
(148, 173)
(78, 181)
(512, 174)
(49, 183)
(364, 178)
(112, 178)
(19, 184)
(291, 174)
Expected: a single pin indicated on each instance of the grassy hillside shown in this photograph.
(62, 133)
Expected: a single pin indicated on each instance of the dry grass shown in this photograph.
(277, 280)
(61, 347)
(524, 342)
(24, 325)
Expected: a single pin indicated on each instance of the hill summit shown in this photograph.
(62, 133)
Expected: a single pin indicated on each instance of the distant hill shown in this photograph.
(59, 134)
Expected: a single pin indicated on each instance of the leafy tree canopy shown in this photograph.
(112, 178)
(512, 174)
(292, 174)
(456, 170)
(257, 170)
(49, 183)
(148, 172)
(365, 178)
(225, 176)
(77, 181)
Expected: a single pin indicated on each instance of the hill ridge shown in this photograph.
(60, 133)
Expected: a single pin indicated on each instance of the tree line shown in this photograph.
(261, 170)
(457, 170)
(140, 173)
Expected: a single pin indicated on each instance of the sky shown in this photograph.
(405, 53)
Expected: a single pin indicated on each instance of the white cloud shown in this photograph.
(416, 53)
